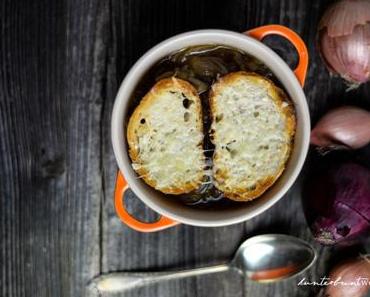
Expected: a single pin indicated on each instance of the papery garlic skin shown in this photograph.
(344, 39)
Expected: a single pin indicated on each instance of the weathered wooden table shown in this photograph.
(61, 63)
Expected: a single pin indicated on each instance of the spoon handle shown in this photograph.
(122, 281)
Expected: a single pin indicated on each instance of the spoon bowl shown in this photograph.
(271, 257)
(262, 258)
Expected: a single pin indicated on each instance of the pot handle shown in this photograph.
(261, 32)
(128, 219)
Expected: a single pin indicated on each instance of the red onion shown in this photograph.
(337, 203)
(344, 39)
(346, 127)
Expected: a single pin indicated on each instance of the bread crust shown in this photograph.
(168, 84)
(288, 112)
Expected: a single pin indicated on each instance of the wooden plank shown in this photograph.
(287, 216)
(52, 74)
(143, 24)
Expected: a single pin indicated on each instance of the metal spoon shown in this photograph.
(263, 258)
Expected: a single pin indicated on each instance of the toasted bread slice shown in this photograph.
(165, 137)
(253, 129)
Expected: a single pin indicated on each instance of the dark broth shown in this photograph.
(201, 65)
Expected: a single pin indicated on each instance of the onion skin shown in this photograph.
(346, 127)
(344, 40)
(337, 204)
(348, 272)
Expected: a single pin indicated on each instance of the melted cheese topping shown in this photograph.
(169, 139)
(250, 134)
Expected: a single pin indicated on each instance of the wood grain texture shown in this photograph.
(52, 77)
(61, 63)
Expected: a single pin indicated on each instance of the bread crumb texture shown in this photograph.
(165, 137)
(253, 129)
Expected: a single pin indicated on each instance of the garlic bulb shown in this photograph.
(344, 40)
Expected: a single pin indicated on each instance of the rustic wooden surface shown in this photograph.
(61, 63)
